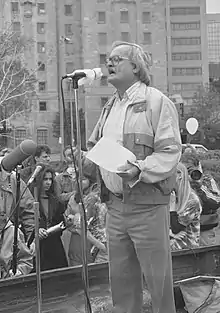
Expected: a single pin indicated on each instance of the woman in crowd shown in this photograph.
(185, 210)
(52, 252)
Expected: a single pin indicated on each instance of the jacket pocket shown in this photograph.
(142, 145)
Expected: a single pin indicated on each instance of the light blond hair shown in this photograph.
(137, 56)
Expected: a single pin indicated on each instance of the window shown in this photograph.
(41, 66)
(185, 11)
(146, 17)
(68, 29)
(147, 38)
(183, 56)
(104, 100)
(42, 136)
(40, 28)
(42, 106)
(14, 7)
(68, 10)
(125, 36)
(27, 8)
(41, 8)
(20, 135)
(41, 47)
(186, 86)
(104, 81)
(42, 86)
(16, 26)
(185, 26)
(124, 17)
(188, 71)
(101, 18)
(69, 48)
(102, 59)
(194, 41)
(69, 67)
(102, 39)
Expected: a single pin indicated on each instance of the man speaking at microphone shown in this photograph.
(145, 121)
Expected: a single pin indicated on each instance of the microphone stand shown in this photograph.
(75, 80)
(37, 251)
(16, 219)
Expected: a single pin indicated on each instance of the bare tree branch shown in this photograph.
(17, 83)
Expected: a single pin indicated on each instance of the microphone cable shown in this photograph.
(84, 257)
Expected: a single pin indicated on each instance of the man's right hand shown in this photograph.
(43, 233)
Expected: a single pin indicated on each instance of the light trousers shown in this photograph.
(138, 242)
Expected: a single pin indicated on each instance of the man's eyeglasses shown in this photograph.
(115, 60)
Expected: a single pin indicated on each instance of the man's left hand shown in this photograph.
(128, 171)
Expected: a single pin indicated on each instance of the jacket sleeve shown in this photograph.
(209, 193)
(27, 210)
(190, 213)
(162, 163)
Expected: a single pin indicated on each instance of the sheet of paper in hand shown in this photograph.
(110, 155)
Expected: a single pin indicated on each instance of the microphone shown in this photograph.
(86, 76)
(18, 155)
(37, 170)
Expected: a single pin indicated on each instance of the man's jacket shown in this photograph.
(26, 212)
(151, 132)
(24, 256)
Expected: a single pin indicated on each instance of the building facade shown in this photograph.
(213, 27)
(54, 29)
(73, 34)
(187, 55)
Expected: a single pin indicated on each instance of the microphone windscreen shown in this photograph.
(18, 155)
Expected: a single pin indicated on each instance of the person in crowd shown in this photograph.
(96, 233)
(8, 187)
(66, 181)
(145, 121)
(42, 156)
(52, 254)
(209, 193)
(185, 210)
(24, 255)
(66, 186)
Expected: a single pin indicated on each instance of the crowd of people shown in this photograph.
(58, 198)
(194, 204)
